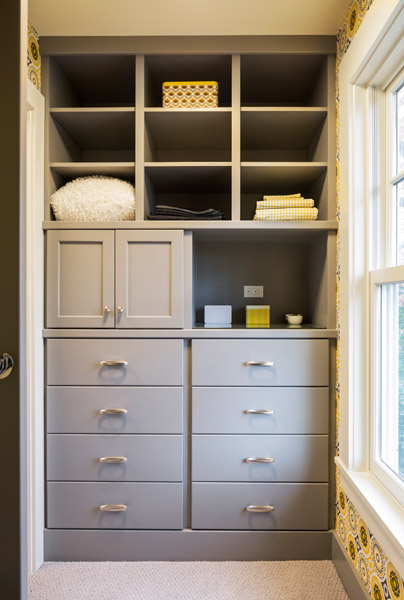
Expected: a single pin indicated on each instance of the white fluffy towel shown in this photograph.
(95, 198)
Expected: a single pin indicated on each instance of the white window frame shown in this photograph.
(384, 246)
(371, 62)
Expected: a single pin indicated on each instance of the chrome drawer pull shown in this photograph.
(259, 411)
(259, 459)
(113, 411)
(113, 459)
(113, 363)
(107, 309)
(260, 363)
(258, 508)
(113, 507)
(119, 310)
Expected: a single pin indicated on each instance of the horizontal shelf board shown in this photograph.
(272, 178)
(113, 169)
(195, 178)
(161, 109)
(92, 109)
(281, 130)
(191, 333)
(221, 232)
(99, 129)
(190, 130)
(189, 166)
(289, 109)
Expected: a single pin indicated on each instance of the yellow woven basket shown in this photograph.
(190, 94)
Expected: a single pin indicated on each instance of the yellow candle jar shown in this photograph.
(257, 315)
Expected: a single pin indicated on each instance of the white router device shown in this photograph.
(218, 314)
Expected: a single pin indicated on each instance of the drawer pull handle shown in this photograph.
(113, 507)
(259, 411)
(120, 310)
(113, 363)
(113, 460)
(113, 411)
(107, 309)
(260, 363)
(259, 459)
(258, 508)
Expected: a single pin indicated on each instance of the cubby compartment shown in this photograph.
(292, 266)
(177, 135)
(92, 80)
(191, 187)
(62, 173)
(159, 69)
(283, 134)
(270, 179)
(92, 135)
(283, 80)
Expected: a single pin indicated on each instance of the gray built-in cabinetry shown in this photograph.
(165, 439)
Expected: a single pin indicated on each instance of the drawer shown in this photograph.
(224, 506)
(149, 457)
(73, 505)
(149, 362)
(148, 410)
(298, 458)
(293, 410)
(291, 362)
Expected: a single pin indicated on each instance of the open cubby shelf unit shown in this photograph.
(272, 133)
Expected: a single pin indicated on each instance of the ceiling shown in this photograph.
(187, 17)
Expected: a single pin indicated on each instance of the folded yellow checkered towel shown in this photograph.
(286, 214)
(284, 197)
(285, 203)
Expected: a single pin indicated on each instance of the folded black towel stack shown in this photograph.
(173, 213)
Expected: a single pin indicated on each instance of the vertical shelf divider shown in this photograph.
(235, 139)
(139, 139)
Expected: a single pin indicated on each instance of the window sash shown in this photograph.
(380, 387)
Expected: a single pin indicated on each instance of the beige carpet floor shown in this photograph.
(290, 580)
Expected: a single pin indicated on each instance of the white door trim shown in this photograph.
(34, 280)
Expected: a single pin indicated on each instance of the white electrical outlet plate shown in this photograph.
(253, 291)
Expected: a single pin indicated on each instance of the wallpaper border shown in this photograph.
(378, 574)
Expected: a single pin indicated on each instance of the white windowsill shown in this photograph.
(378, 508)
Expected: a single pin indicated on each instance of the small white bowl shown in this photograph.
(293, 319)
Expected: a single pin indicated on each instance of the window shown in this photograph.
(387, 302)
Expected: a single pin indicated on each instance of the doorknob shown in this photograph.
(6, 365)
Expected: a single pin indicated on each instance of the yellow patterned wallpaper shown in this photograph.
(33, 57)
(378, 574)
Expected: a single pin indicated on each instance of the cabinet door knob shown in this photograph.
(113, 507)
(107, 309)
(260, 508)
(6, 365)
(259, 459)
(113, 411)
(260, 363)
(113, 460)
(113, 363)
(119, 309)
(259, 411)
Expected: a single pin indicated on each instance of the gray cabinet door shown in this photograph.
(114, 410)
(114, 457)
(80, 279)
(291, 506)
(123, 362)
(79, 505)
(260, 410)
(297, 458)
(149, 279)
(260, 362)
